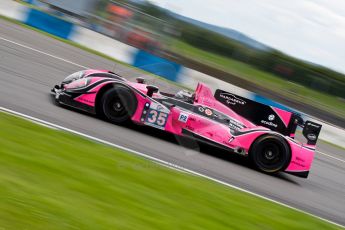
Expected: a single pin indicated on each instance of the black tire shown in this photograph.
(270, 153)
(118, 104)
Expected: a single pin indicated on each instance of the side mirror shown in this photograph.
(140, 80)
(151, 89)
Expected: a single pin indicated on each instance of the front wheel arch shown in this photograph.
(98, 104)
(109, 87)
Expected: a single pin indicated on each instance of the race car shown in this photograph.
(264, 134)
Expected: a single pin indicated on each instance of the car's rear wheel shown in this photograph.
(118, 104)
(270, 153)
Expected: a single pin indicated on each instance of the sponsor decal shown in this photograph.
(271, 117)
(192, 119)
(156, 118)
(201, 109)
(190, 128)
(313, 125)
(159, 107)
(183, 117)
(234, 125)
(269, 123)
(311, 137)
(299, 159)
(232, 99)
(298, 163)
(155, 115)
(208, 112)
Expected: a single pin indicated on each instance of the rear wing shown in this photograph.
(311, 131)
(276, 119)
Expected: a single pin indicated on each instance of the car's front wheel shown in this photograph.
(118, 104)
(270, 153)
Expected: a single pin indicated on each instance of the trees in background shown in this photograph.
(273, 61)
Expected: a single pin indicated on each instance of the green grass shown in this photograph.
(50, 179)
(280, 86)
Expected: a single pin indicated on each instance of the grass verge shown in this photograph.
(50, 179)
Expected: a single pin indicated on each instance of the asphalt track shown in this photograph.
(31, 63)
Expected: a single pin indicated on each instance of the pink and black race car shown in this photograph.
(263, 133)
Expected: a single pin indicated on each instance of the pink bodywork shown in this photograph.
(302, 155)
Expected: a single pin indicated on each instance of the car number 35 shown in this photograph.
(157, 117)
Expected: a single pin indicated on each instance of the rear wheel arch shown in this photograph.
(274, 138)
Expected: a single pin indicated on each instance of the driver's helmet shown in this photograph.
(184, 95)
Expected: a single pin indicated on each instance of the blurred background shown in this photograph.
(52, 179)
(220, 52)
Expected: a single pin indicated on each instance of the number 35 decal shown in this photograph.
(157, 118)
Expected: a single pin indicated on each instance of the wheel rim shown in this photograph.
(270, 156)
(116, 108)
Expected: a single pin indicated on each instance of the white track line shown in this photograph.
(335, 158)
(162, 162)
(41, 52)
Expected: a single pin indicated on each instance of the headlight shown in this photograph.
(73, 77)
(77, 83)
